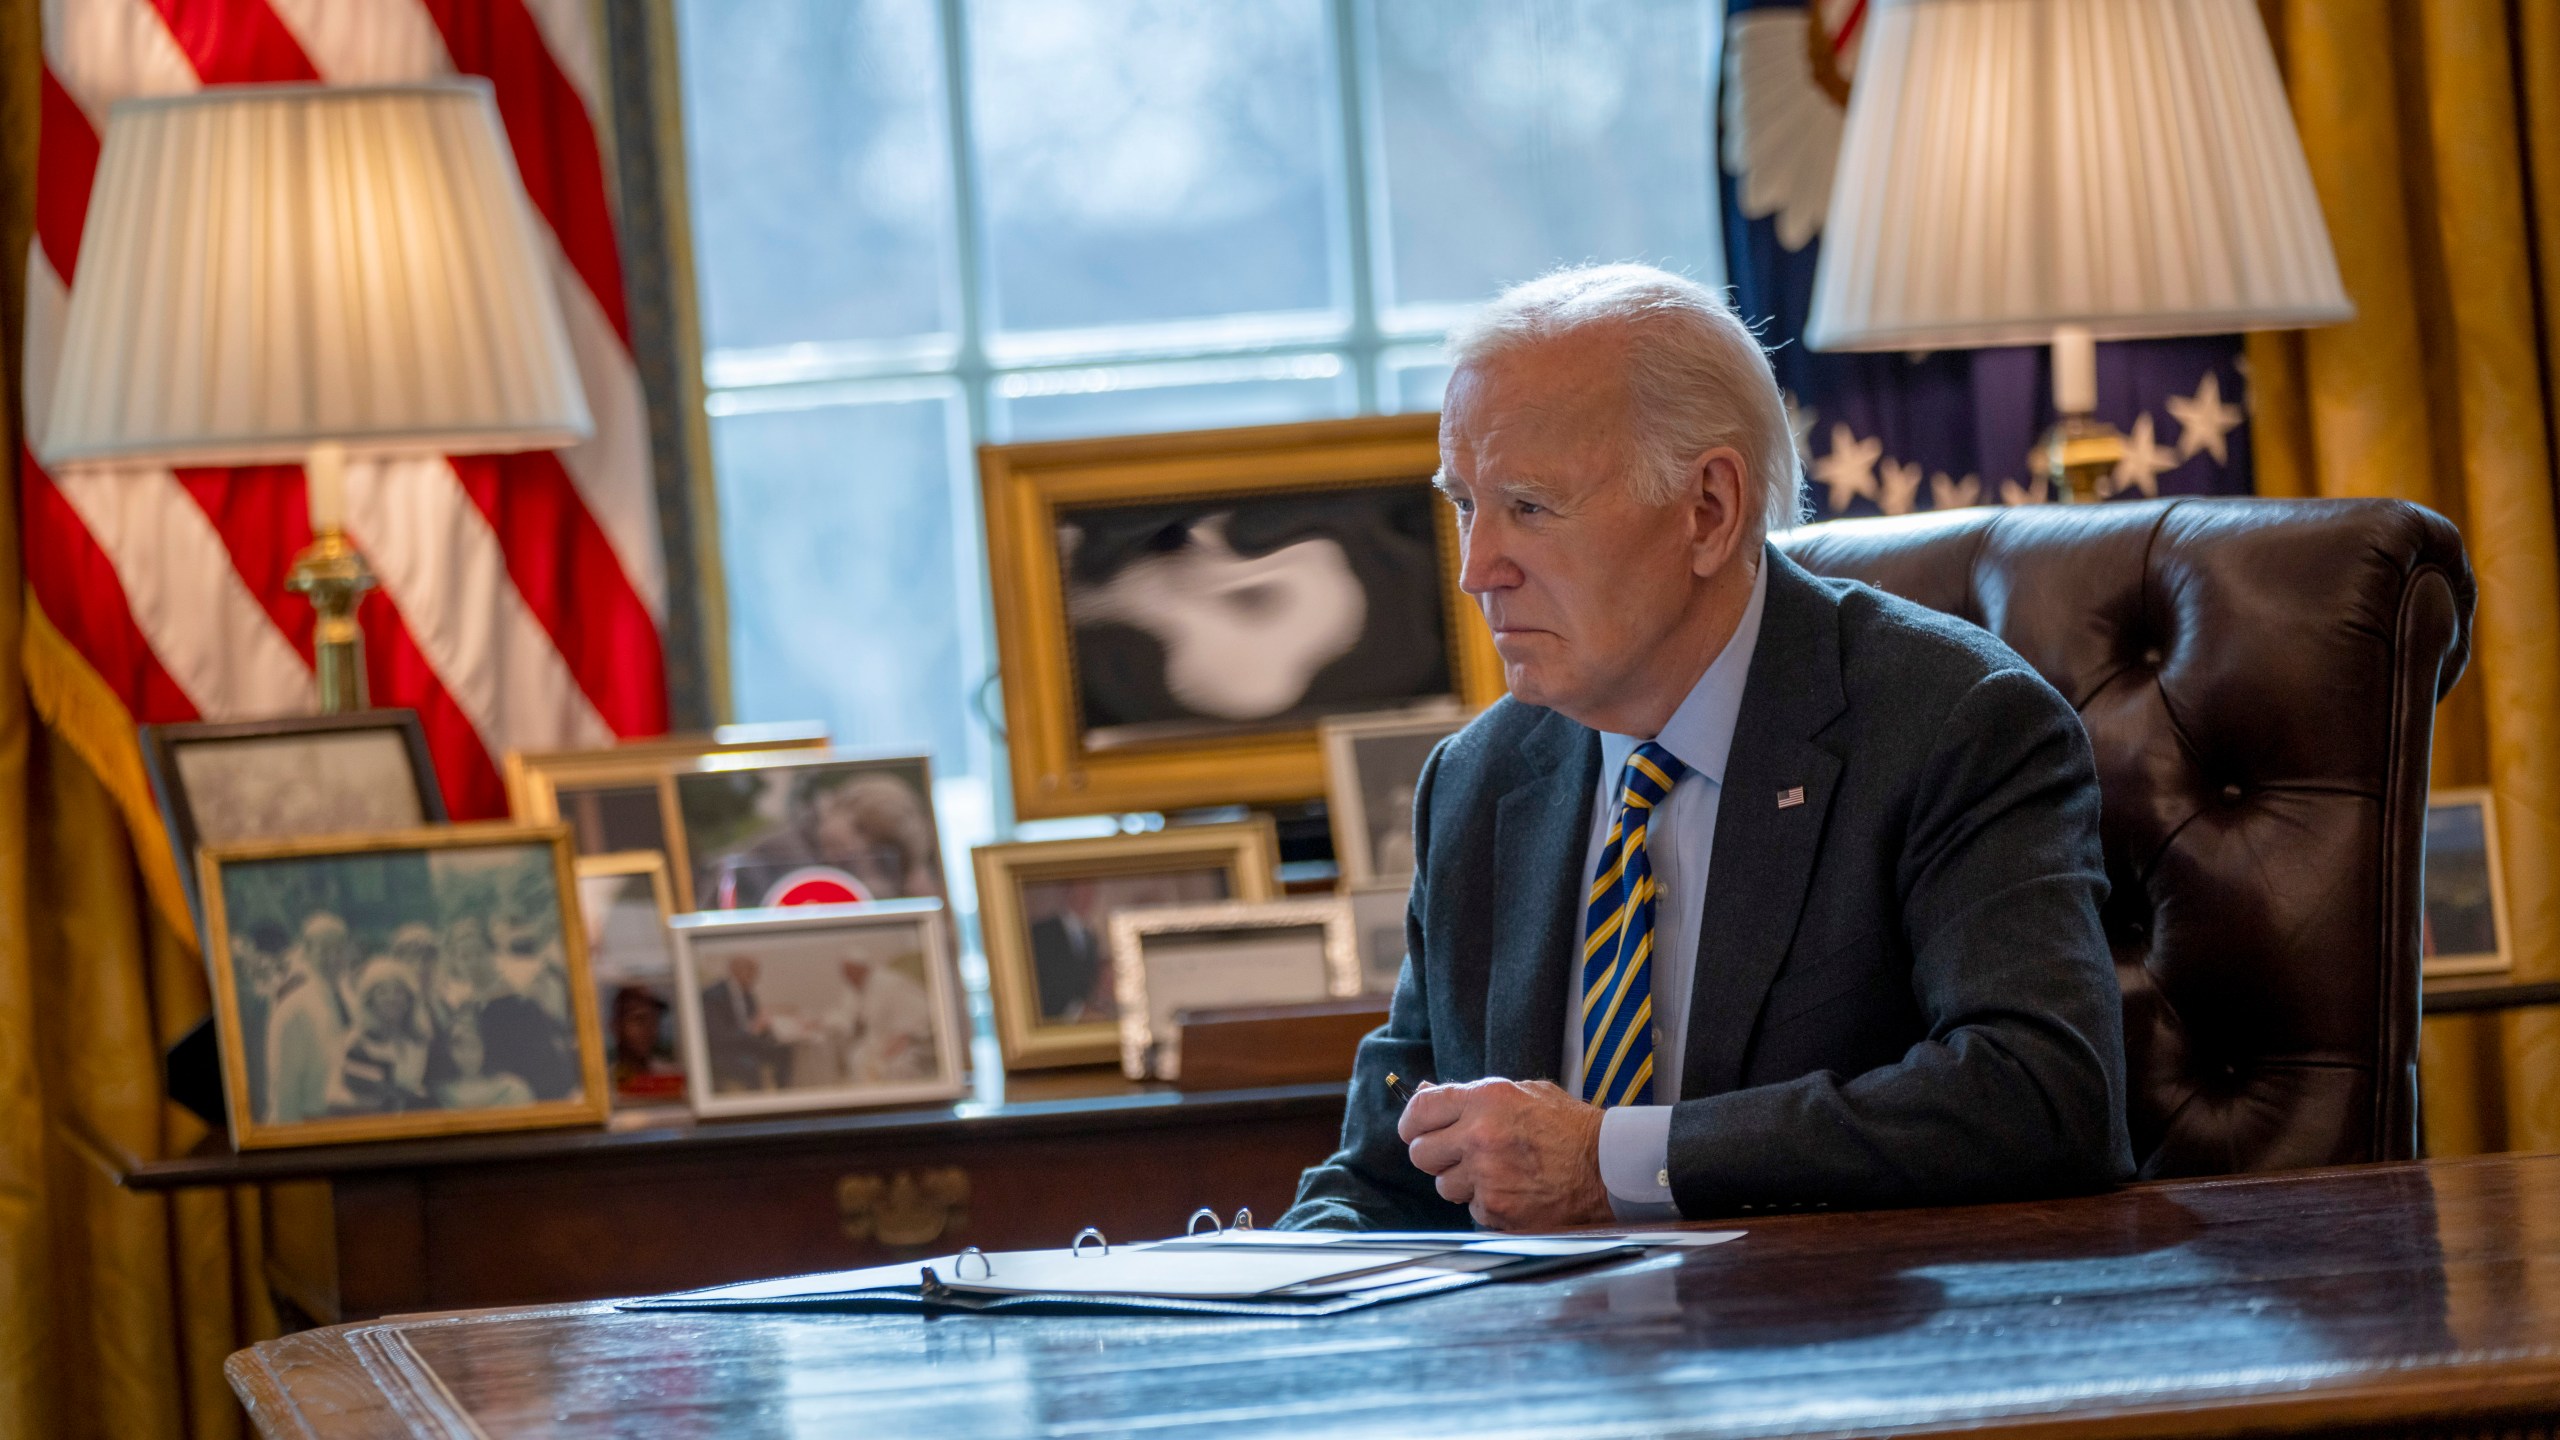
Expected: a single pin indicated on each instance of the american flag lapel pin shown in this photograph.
(1791, 796)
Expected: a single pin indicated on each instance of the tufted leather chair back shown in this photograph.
(2258, 679)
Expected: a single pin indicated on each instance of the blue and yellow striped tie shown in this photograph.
(1617, 951)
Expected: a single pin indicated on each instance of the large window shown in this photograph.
(919, 226)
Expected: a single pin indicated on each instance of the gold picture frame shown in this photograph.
(637, 1086)
(1147, 1008)
(572, 786)
(222, 869)
(1247, 851)
(1026, 487)
(1349, 787)
(2463, 885)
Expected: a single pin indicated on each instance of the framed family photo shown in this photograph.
(1175, 614)
(1045, 909)
(287, 779)
(2463, 927)
(819, 1007)
(772, 830)
(423, 982)
(621, 798)
(1204, 957)
(1372, 765)
(625, 903)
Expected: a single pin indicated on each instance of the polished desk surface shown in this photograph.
(2377, 1298)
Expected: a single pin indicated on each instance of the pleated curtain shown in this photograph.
(2432, 128)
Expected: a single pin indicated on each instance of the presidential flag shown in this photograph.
(1893, 433)
(521, 596)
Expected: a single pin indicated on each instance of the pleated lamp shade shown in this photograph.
(269, 268)
(2012, 167)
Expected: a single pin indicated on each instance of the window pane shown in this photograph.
(1519, 135)
(1415, 382)
(1195, 395)
(845, 599)
(1148, 160)
(820, 177)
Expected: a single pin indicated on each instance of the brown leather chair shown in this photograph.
(2258, 678)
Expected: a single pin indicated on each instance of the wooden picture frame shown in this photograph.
(1059, 768)
(638, 1082)
(805, 939)
(2463, 888)
(574, 786)
(169, 751)
(1352, 788)
(242, 877)
(1245, 853)
(1142, 962)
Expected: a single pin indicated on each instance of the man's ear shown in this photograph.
(1720, 510)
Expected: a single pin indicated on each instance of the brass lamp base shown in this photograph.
(333, 573)
(2078, 458)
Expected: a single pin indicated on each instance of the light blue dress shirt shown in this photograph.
(1635, 1140)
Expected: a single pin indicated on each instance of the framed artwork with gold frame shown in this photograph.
(1205, 957)
(1045, 908)
(1176, 613)
(626, 904)
(621, 798)
(407, 983)
(2463, 892)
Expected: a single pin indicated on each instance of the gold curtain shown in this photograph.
(2433, 132)
(116, 1308)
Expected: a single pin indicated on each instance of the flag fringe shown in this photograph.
(78, 706)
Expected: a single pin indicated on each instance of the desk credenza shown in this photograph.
(2414, 1299)
(356, 1231)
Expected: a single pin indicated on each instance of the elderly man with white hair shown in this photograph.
(1759, 891)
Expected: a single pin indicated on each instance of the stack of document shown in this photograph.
(1228, 1272)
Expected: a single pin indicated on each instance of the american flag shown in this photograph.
(521, 596)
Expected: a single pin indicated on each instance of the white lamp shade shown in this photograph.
(269, 267)
(2013, 166)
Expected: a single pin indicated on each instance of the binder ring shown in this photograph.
(960, 1264)
(1244, 1219)
(1203, 1213)
(1088, 1233)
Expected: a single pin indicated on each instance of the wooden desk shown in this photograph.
(2405, 1299)
(355, 1231)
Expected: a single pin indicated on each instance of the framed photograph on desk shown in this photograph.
(287, 779)
(622, 798)
(819, 1007)
(2463, 930)
(1207, 957)
(625, 903)
(765, 831)
(422, 982)
(1045, 908)
(1372, 765)
(1176, 613)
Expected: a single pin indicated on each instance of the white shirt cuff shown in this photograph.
(1635, 1162)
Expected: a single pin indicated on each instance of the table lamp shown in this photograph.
(2020, 172)
(281, 273)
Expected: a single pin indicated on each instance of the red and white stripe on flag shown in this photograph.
(521, 595)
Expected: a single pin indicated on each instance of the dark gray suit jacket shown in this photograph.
(1903, 996)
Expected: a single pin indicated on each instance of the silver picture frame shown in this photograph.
(1275, 952)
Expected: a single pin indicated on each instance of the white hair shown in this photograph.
(1696, 375)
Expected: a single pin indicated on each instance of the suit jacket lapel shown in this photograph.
(1764, 850)
(1542, 827)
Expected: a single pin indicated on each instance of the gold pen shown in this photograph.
(1397, 1088)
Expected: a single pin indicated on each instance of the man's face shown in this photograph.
(1579, 582)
